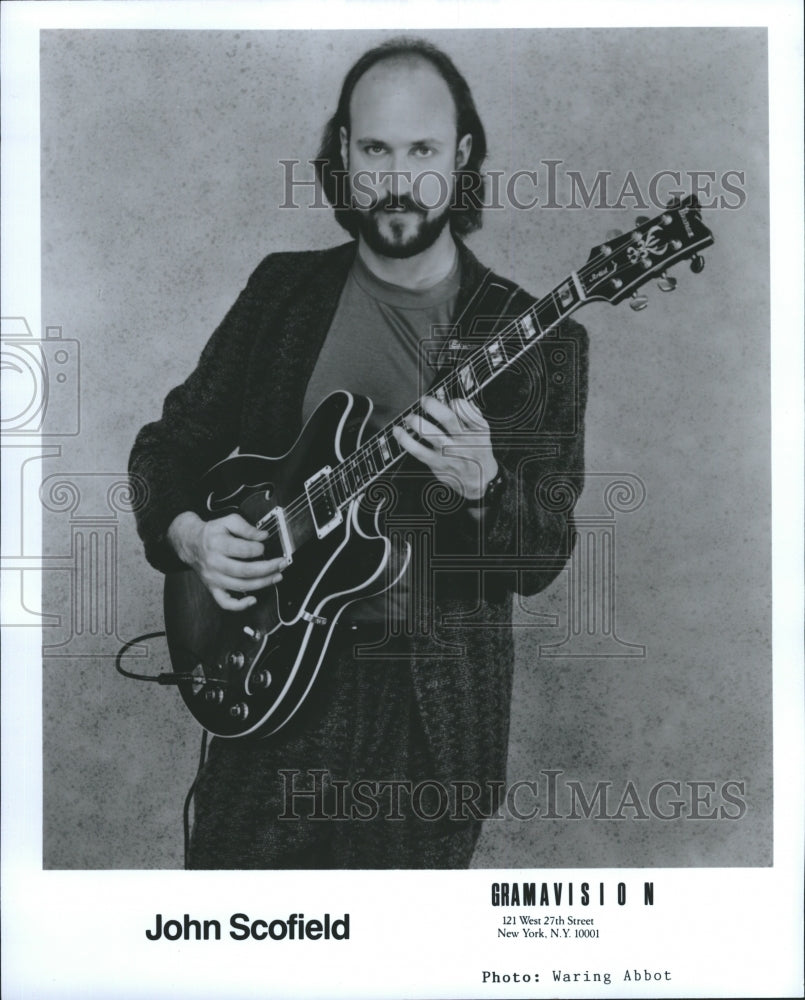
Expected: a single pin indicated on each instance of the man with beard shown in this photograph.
(393, 760)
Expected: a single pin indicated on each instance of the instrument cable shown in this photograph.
(167, 678)
(163, 678)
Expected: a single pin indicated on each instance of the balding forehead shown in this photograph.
(400, 74)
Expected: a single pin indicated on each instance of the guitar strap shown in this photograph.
(490, 301)
(488, 308)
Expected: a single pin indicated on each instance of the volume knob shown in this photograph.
(239, 711)
(263, 679)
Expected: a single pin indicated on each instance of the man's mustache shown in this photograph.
(397, 203)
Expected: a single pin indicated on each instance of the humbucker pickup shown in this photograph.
(324, 510)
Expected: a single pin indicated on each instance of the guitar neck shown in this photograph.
(614, 270)
(381, 452)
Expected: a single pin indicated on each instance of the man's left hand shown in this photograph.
(455, 445)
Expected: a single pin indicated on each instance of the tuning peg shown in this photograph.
(641, 220)
(613, 234)
(666, 283)
(697, 263)
(638, 302)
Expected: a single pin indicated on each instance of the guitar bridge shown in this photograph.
(324, 510)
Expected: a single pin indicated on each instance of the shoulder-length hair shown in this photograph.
(467, 201)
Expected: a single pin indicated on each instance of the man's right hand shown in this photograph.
(225, 554)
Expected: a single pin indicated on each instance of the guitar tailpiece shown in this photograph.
(315, 619)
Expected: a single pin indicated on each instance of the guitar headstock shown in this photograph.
(620, 266)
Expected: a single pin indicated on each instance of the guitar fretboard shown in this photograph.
(475, 371)
(614, 270)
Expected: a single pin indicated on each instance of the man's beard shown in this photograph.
(404, 241)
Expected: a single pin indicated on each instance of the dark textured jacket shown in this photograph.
(247, 392)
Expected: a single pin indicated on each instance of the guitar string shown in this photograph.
(478, 360)
(350, 466)
(509, 335)
(452, 381)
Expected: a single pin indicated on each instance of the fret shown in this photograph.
(550, 312)
(366, 472)
(496, 355)
(339, 485)
(368, 460)
(394, 445)
(564, 298)
(349, 474)
(378, 459)
(440, 393)
(566, 295)
(467, 378)
(526, 324)
(483, 366)
(385, 450)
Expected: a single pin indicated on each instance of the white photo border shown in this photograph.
(80, 933)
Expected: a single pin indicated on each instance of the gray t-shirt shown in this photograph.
(379, 344)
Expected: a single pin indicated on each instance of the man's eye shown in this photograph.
(423, 151)
(374, 149)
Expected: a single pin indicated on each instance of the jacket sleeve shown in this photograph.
(544, 477)
(200, 425)
(526, 537)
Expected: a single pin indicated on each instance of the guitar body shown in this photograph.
(247, 673)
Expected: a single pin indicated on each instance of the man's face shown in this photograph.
(400, 154)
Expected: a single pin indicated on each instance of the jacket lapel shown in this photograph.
(301, 324)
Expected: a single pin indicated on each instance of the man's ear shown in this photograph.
(342, 132)
(463, 151)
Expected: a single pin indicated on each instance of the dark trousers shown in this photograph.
(361, 752)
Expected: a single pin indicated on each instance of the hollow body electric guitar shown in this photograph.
(247, 673)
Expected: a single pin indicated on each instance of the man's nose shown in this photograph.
(399, 180)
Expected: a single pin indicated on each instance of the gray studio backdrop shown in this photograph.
(161, 188)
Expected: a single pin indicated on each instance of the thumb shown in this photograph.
(238, 526)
